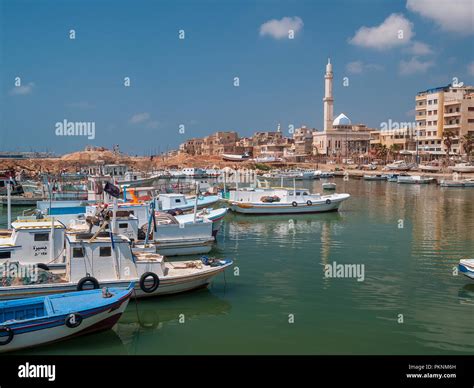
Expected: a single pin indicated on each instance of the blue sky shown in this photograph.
(190, 82)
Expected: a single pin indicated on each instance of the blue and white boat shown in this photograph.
(466, 267)
(180, 202)
(40, 320)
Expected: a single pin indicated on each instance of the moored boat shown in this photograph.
(376, 177)
(40, 320)
(329, 186)
(283, 201)
(415, 179)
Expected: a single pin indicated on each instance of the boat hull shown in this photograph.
(54, 329)
(276, 208)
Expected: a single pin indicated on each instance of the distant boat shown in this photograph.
(132, 178)
(30, 322)
(429, 167)
(377, 177)
(236, 158)
(415, 179)
(463, 167)
(329, 186)
(400, 165)
(451, 183)
(283, 201)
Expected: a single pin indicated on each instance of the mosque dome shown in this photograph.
(342, 119)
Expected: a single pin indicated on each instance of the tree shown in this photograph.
(468, 145)
(448, 136)
(395, 149)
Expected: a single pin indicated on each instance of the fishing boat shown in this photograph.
(466, 267)
(399, 165)
(429, 167)
(106, 260)
(136, 178)
(236, 158)
(283, 201)
(181, 202)
(15, 188)
(34, 242)
(216, 216)
(40, 320)
(392, 177)
(463, 167)
(196, 173)
(415, 179)
(329, 186)
(377, 177)
(451, 183)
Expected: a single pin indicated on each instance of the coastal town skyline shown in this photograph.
(264, 78)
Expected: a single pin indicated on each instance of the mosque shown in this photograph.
(339, 137)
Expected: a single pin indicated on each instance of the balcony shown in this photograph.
(452, 114)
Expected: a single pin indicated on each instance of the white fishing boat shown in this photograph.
(329, 186)
(136, 178)
(165, 232)
(415, 179)
(283, 201)
(400, 165)
(214, 215)
(236, 158)
(183, 203)
(463, 167)
(429, 167)
(451, 183)
(377, 177)
(103, 261)
(192, 172)
(33, 242)
(41, 320)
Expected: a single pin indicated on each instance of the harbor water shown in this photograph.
(277, 298)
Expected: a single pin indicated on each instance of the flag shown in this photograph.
(112, 190)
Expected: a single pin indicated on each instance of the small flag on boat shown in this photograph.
(112, 190)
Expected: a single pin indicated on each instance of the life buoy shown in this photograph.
(309, 203)
(328, 201)
(294, 204)
(9, 335)
(73, 320)
(154, 286)
(85, 280)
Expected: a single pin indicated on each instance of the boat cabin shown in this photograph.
(30, 242)
(99, 257)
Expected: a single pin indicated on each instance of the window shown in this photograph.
(5, 255)
(78, 252)
(435, 101)
(105, 251)
(123, 225)
(41, 236)
(178, 201)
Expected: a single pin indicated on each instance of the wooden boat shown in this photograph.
(40, 320)
(179, 201)
(415, 179)
(216, 216)
(429, 167)
(283, 201)
(400, 165)
(105, 261)
(377, 177)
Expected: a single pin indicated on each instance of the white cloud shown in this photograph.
(385, 35)
(470, 68)
(413, 66)
(453, 15)
(139, 118)
(420, 48)
(279, 29)
(22, 90)
(358, 67)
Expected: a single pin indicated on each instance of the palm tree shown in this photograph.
(394, 149)
(381, 151)
(468, 145)
(448, 136)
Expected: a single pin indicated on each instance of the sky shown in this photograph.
(383, 53)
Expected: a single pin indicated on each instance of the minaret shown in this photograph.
(328, 100)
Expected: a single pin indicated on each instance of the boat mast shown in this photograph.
(9, 203)
(196, 202)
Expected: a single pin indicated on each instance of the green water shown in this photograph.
(408, 271)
